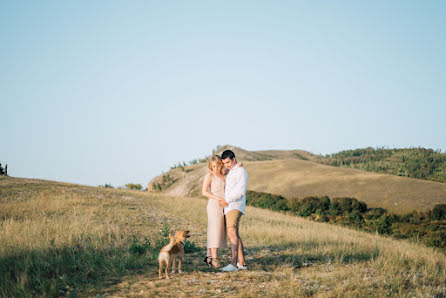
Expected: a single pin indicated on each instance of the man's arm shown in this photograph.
(238, 189)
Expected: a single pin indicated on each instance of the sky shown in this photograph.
(95, 92)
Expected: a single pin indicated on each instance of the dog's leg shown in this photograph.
(167, 268)
(160, 270)
(173, 265)
(179, 264)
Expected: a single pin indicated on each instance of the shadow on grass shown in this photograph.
(69, 270)
(83, 269)
(269, 257)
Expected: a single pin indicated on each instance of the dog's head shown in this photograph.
(182, 235)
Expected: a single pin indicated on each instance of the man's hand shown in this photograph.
(223, 203)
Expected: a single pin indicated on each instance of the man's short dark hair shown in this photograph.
(227, 153)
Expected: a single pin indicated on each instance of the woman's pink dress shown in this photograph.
(216, 221)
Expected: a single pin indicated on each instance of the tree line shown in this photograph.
(418, 163)
(427, 227)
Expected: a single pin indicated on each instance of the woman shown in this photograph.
(214, 190)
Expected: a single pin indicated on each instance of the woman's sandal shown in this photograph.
(207, 260)
(214, 264)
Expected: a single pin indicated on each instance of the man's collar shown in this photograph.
(235, 167)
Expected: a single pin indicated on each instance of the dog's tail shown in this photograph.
(169, 246)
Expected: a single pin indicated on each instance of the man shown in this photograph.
(235, 197)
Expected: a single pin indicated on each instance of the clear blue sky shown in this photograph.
(96, 92)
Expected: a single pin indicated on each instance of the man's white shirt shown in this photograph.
(235, 189)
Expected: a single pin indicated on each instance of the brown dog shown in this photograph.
(173, 251)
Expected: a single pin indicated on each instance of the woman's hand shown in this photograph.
(222, 203)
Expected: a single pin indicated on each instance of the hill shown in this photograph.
(62, 239)
(413, 162)
(301, 174)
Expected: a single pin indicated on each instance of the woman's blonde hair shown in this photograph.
(218, 161)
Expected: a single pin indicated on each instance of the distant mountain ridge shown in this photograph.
(298, 173)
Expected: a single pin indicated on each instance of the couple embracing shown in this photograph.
(225, 187)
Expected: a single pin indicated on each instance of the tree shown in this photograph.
(356, 217)
(383, 224)
(439, 212)
(294, 204)
(132, 186)
(310, 205)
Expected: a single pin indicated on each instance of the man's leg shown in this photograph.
(241, 252)
(232, 235)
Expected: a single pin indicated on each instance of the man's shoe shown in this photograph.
(229, 268)
(242, 267)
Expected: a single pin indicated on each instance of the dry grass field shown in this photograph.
(285, 173)
(60, 239)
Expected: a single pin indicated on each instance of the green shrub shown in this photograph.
(294, 204)
(179, 166)
(334, 209)
(140, 247)
(437, 239)
(375, 213)
(438, 212)
(281, 205)
(132, 186)
(356, 217)
(347, 205)
(383, 224)
(190, 247)
(161, 239)
(166, 182)
(266, 201)
(163, 236)
(310, 205)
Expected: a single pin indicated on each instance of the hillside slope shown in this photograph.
(70, 240)
(286, 173)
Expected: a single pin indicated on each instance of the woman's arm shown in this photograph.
(205, 191)
(206, 184)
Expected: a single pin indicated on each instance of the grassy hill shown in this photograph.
(60, 239)
(301, 174)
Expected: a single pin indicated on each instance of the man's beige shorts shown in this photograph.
(233, 218)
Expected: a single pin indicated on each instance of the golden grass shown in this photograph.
(287, 255)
